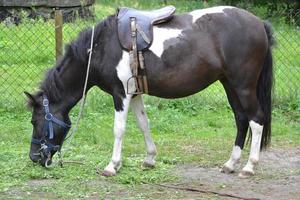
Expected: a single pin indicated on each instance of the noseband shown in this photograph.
(50, 121)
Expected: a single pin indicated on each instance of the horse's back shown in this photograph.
(195, 49)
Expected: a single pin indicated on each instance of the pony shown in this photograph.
(187, 54)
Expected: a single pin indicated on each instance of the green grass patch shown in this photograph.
(203, 135)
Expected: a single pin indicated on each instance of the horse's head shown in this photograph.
(50, 127)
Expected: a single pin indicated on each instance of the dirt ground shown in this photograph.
(277, 177)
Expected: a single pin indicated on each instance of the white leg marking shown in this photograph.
(255, 148)
(160, 35)
(142, 121)
(234, 158)
(199, 13)
(124, 73)
(119, 129)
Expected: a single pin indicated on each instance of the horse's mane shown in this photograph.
(77, 49)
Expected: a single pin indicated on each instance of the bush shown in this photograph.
(289, 9)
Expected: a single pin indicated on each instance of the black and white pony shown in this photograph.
(188, 54)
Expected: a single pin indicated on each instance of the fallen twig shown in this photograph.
(202, 191)
(71, 162)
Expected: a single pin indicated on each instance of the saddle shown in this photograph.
(135, 32)
(144, 24)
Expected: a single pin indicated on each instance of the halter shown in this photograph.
(50, 121)
(46, 148)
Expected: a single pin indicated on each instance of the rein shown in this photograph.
(83, 98)
(50, 120)
(90, 51)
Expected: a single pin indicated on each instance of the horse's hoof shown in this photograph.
(108, 173)
(105, 173)
(246, 174)
(226, 170)
(147, 165)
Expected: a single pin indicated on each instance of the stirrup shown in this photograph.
(138, 85)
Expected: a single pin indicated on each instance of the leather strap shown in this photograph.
(144, 75)
(137, 60)
(48, 126)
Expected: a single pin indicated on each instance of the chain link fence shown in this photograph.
(287, 57)
(27, 49)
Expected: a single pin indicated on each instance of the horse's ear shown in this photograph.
(31, 100)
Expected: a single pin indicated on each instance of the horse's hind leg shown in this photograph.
(142, 121)
(250, 104)
(242, 125)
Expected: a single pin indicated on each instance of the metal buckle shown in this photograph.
(45, 102)
(48, 116)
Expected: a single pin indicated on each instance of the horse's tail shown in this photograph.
(264, 88)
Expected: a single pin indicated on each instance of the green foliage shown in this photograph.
(289, 10)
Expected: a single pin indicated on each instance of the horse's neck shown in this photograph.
(73, 84)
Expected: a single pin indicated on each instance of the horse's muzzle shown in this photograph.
(44, 159)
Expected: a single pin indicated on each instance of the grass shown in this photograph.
(199, 129)
(181, 137)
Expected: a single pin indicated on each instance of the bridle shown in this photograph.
(49, 134)
(46, 147)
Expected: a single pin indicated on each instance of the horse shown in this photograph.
(188, 53)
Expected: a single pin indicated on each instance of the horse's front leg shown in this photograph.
(138, 108)
(121, 111)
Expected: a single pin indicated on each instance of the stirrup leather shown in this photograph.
(137, 64)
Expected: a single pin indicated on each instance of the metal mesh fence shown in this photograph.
(287, 57)
(27, 49)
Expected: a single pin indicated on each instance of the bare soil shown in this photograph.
(277, 177)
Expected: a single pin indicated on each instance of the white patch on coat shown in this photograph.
(124, 72)
(160, 35)
(257, 130)
(234, 158)
(196, 14)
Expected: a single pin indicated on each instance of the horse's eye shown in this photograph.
(33, 122)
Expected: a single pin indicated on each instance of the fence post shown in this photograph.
(58, 33)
